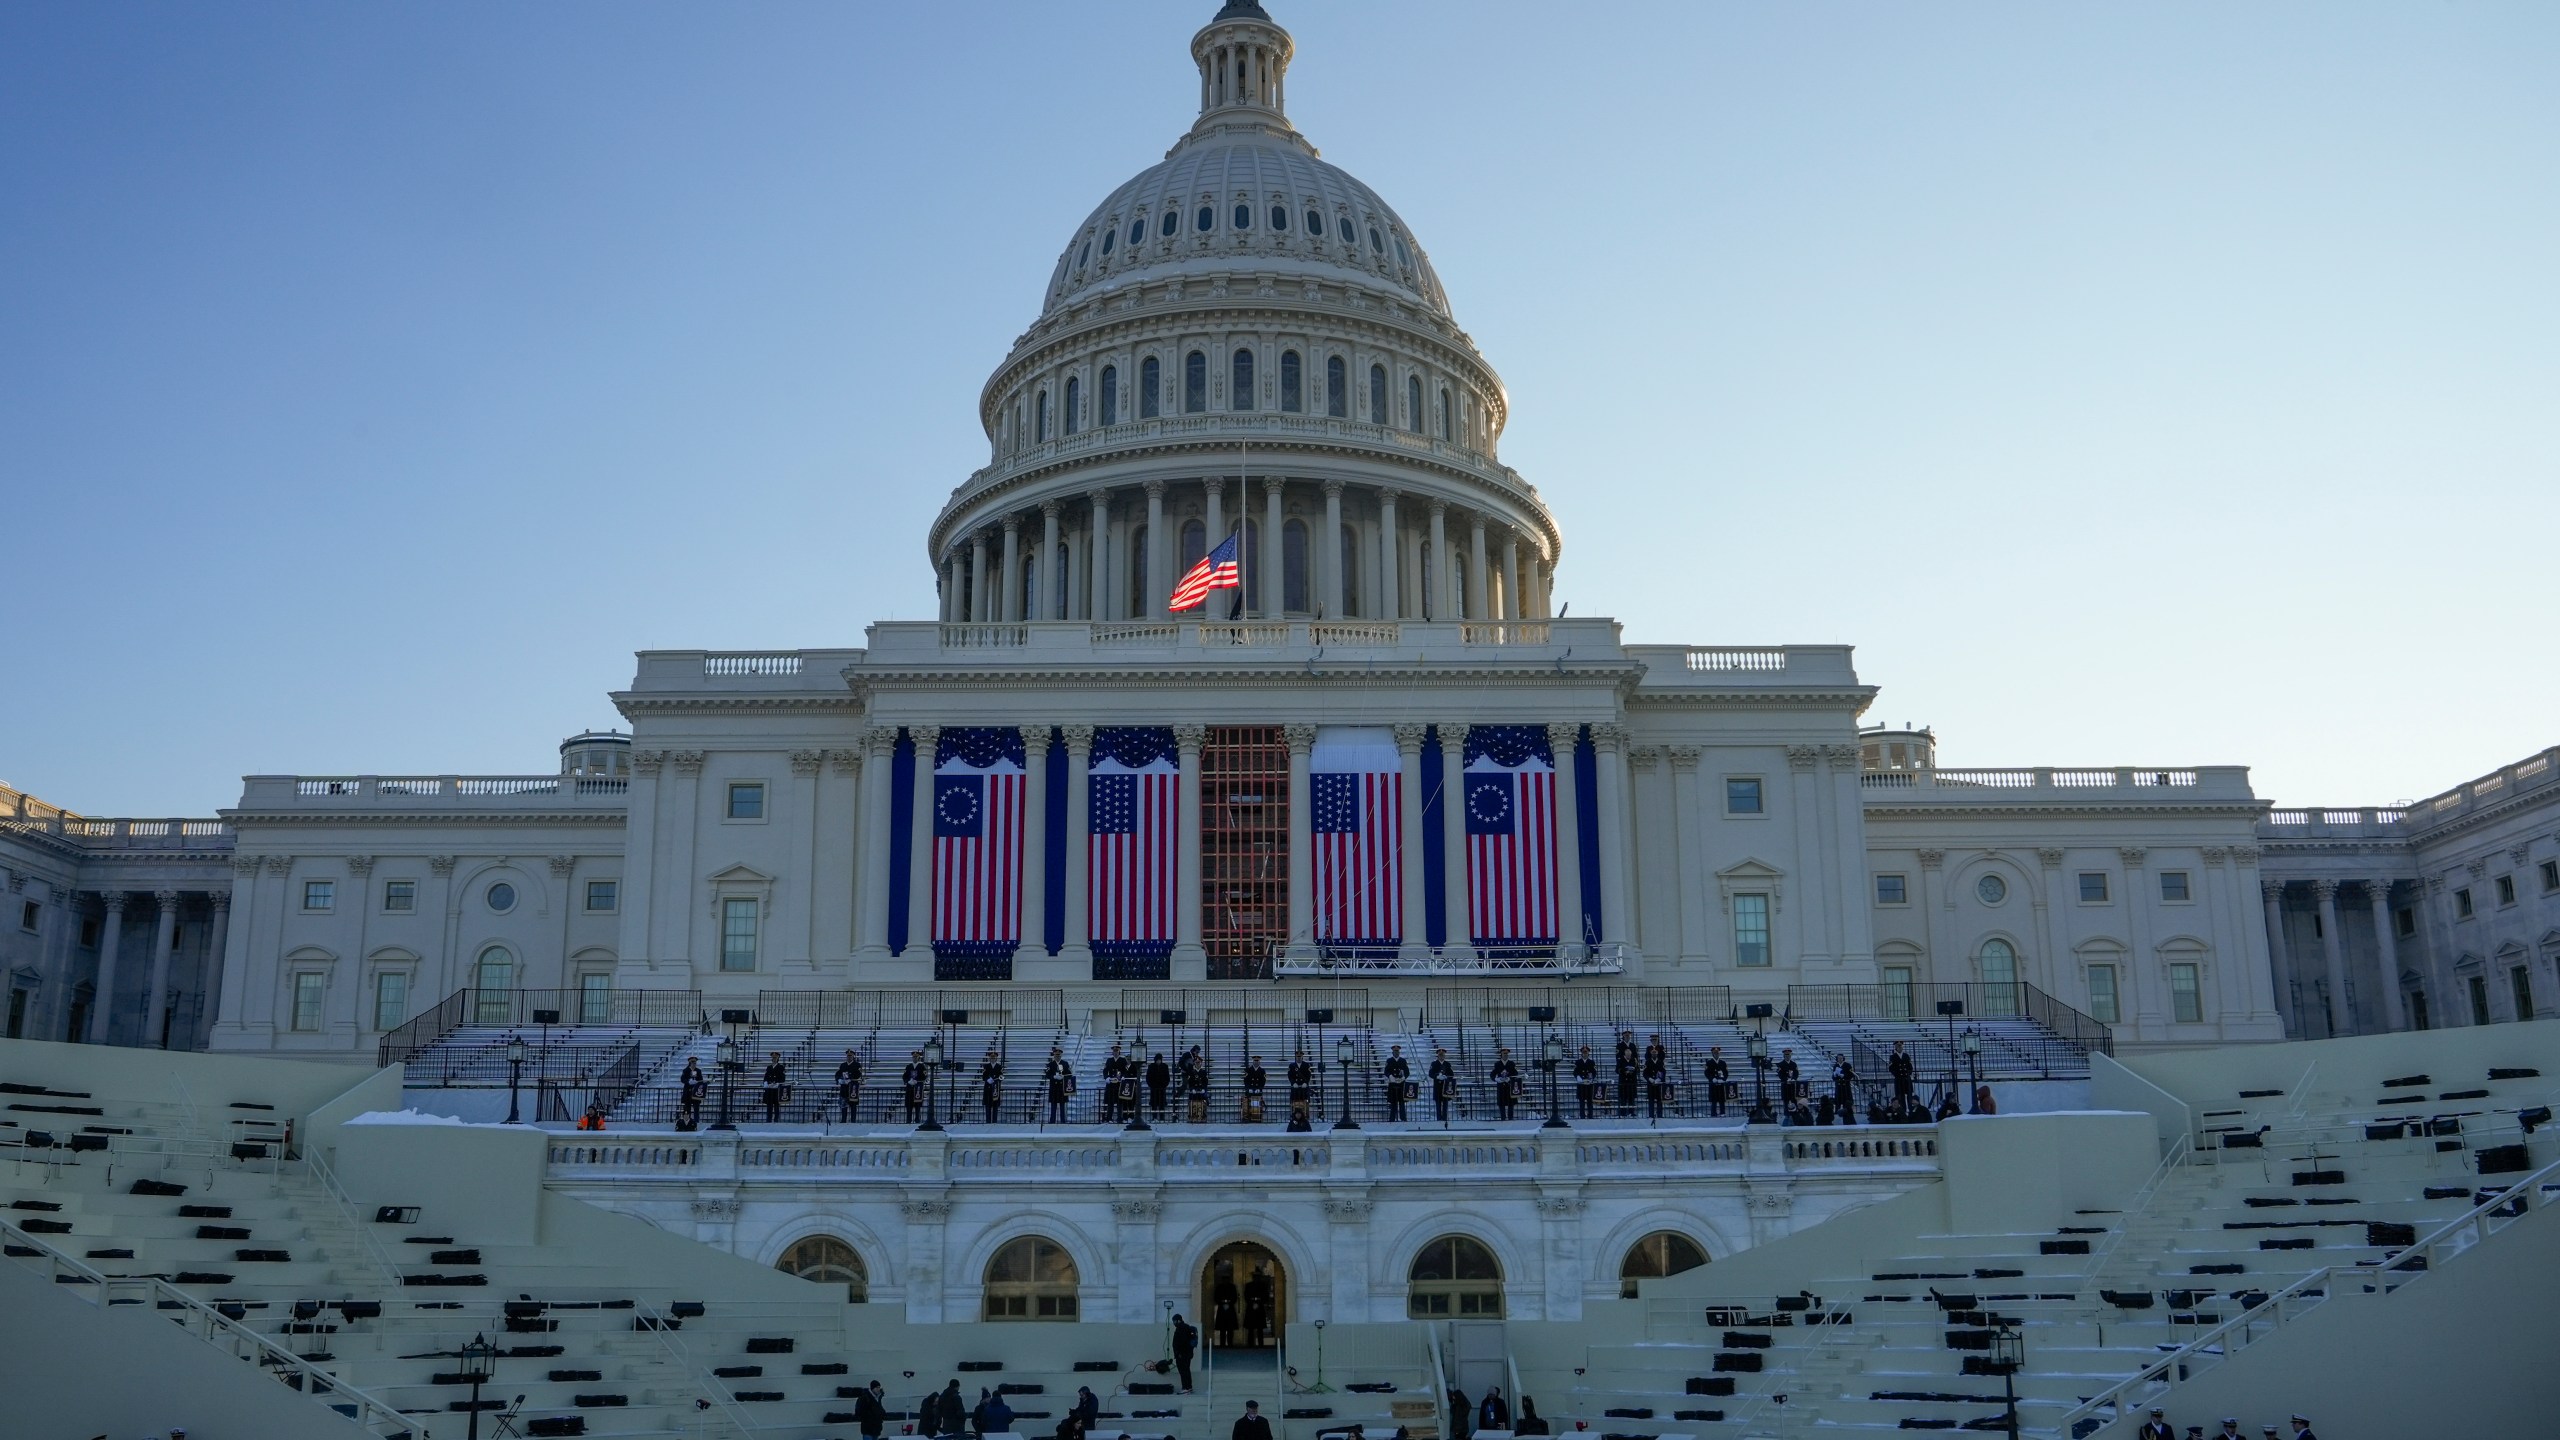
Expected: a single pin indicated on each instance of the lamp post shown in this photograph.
(1761, 1114)
(479, 1361)
(1138, 1069)
(1973, 1062)
(515, 1074)
(1343, 1051)
(1551, 1059)
(2008, 1356)
(932, 1072)
(728, 1053)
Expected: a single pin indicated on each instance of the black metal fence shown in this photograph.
(1920, 1001)
(520, 1009)
(1615, 1006)
(1010, 1007)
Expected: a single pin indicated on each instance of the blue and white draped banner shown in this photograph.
(1510, 777)
(978, 780)
(1355, 777)
(1135, 786)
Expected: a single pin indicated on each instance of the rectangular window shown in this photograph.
(89, 932)
(2462, 903)
(603, 895)
(2173, 886)
(2522, 981)
(2186, 994)
(1890, 890)
(2550, 876)
(1750, 929)
(746, 800)
(399, 897)
(737, 934)
(2093, 887)
(1897, 992)
(28, 913)
(2506, 889)
(319, 895)
(2405, 920)
(1741, 796)
(390, 999)
(2478, 986)
(308, 988)
(595, 999)
(2102, 995)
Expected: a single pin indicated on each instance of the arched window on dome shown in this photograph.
(1085, 255)
(1378, 395)
(1150, 382)
(1349, 560)
(1448, 424)
(1137, 229)
(1240, 380)
(1337, 384)
(1315, 223)
(1292, 382)
(1110, 238)
(1031, 1279)
(1195, 543)
(1279, 217)
(1455, 1278)
(1110, 395)
(1374, 242)
(1075, 403)
(1172, 222)
(828, 1261)
(1138, 570)
(1244, 216)
(1207, 217)
(1040, 417)
(1664, 1252)
(1404, 257)
(1293, 567)
(1413, 403)
(1195, 383)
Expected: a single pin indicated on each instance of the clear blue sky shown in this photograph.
(2135, 383)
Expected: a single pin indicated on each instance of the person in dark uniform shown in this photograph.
(1719, 1080)
(777, 1083)
(1186, 1342)
(1844, 1090)
(1222, 1312)
(991, 1084)
(1629, 1069)
(1256, 1080)
(691, 1089)
(2302, 1429)
(1257, 1307)
(1111, 1065)
(1159, 1083)
(2156, 1428)
(1444, 1082)
(1059, 1079)
(1399, 1074)
(1195, 1085)
(848, 1088)
(1586, 1083)
(1899, 1066)
(1790, 1080)
(911, 1084)
(1657, 1077)
(1506, 1084)
(1302, 1092)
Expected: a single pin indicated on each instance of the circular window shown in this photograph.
(1992, 889)
(502, 897)
(1206, 218)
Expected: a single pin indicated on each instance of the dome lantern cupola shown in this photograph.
(1244, 61)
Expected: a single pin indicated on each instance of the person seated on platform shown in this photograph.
(594, 1118)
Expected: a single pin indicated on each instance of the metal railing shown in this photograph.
(471, 1006)
(1608, 957)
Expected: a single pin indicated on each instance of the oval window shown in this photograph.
(1244, 217)
(1315, 224)
(502, 897)
(1172, 222)
(1374, 242)
(1084, 254)
(1138, 229)
(1992, 889)
(1403, 256)
(1279, 217)
(1206, 218)
(1108, 237)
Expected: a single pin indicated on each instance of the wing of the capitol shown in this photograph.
(1417, 991)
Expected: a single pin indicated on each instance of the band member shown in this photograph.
(1111, 1065)
(1302, 1092)
(1586, 1083)
(1133, 1079)
(911, 1084)
(1899, 1066)
(1159, 1081)
(1059, 1079)
(1506, 1084)
(1719, 1081)
(1399, 1081)
(1844, 1090)
(1657, 1077)
(777, 1083)
(1790, 1079)
(1444, 1082)
(1195, 1085)
(1630, 1068)
(991, 1084)
(691, 1088)
(1256, 1080)
(848, 1088)
(2156, 1428)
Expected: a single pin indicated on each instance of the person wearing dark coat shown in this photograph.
(1719, 1087)
(1506, 1084)
(1257, 1307)
(1088, 1406)
(994, 1416)
(1060, 1079)
(1629, 1069)
(1790, 1080)
(1251, 1425)
(691, 1088)
(1899, 1066)
(1444, 1084)
(911, 1086)
(1462, 1415)
(1159, 1083)
(777, 1081)
(1844, 1090)
(1112, 1066)
(1256, 1080)
(2156, 1428)
(1195, 1084)
(1527, 1422)
(991, 1084)
(1586, 1083)
(1222, 1313)
(1399, 1073)
(1657, 1078)
(868, 1413)
(848, 1088)
(1302, 1090)
(1186, 1343)
(952, 1412)
(1493, 1414)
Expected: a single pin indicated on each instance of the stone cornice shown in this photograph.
(616, 816)
(813, 702)
(1943, 810)
(1541, 674)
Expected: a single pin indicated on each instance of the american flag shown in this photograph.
(1357, 779)
(1510, 797)
(1218, 570)
(977, 841)
(1136, 787)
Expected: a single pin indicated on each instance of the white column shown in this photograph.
(1694, 887)
(1011, 589)
(1275, 587)
(950, 585)
(1098, 561)
(1190, 957)
(1053, 581)
(1216, 528)
(1302, 914)
(1479, 594)
(1617, 904)
(2279, 959)
(1561, 738)
(1078, 948)
(2341, 1020)
(978, 602)
(871, 852)
(111, 932)
(2151, 987)
(1512, 606)
(920, 847)
(231, 1009)
(1409, 859)
(1453, 840)
(209, 1012)
(1436, 577)
(1389, 591)
(1035, 838)
(1159, 585)
(2377, 895)
(1329, 557)
(165, 936)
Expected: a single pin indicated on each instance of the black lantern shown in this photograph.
(515, 1072)
(2009, 1356)
(728, 1056)
(1137, 1069)
(479, 1361)
(1973, 1059)
(1761, 1114)
(932, 1080)
(1345, 1056)
(1551, 1059)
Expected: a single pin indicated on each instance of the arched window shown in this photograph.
(1110, 395)
(1075, 401)
(1207, 217)
(1448, 426)
(1293, 567)
(1084, 255)
(1337, 387)
(1664, 1252)
(1292, 382)
(494, 976)
(1138, 229)
(1244, 216)
(1172, 222)
(1279, 217)
(1315, 224)
(1138, 570)
(1413, 403)
(1455, 1277)
(1350, 562)
(1195, 383)
(1040, 417)
(1150, 377)
(1031, 1279)
(1110, 237)
(1999, 977)
(1240, 380)
(829, 1261)
(1378, 395)
(1195, 543)
(1030, 579)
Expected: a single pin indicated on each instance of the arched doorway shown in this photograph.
(1244, 1292)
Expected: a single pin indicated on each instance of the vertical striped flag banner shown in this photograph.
(1510, 778)
(978, 780)
(1135, 787)
(1356, 809)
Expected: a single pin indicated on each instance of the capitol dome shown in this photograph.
(1244, 342)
